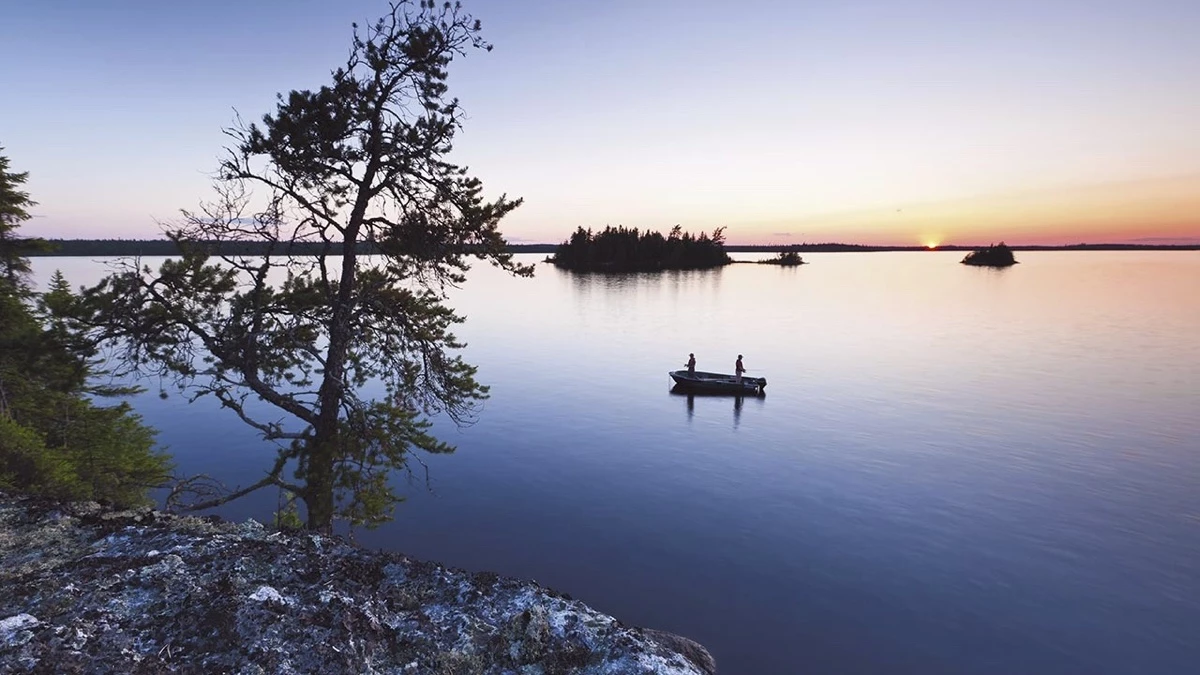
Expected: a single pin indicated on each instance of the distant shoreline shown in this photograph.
(162, 247)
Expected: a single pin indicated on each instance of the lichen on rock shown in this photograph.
(84, 590)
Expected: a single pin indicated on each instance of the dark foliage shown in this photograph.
(55, 441)
(789, 258)
(289, 344)
(996, 255)
(14, 205)
(618, 249)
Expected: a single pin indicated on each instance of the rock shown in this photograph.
(269, 595)
(692, 650)
(85, 591)
(16, 630)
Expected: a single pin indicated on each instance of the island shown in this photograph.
(620, 249)
(789, 258)
(996, 255)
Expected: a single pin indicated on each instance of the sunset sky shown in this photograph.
(887, 122)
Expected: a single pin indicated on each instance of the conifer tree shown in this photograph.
(289, 344)
(55, 441)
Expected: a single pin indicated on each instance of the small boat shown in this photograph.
(718, 383)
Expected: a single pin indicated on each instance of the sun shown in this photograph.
(931, 244)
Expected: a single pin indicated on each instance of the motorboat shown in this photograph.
(718, 383)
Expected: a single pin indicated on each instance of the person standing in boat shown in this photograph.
(691, 364)
(738, 369)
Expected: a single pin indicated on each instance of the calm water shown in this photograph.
(954, 470)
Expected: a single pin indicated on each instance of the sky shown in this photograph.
(785, 121)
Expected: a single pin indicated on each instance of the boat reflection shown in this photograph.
(692, 395)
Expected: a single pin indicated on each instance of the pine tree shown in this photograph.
(54, 440)
(14, 205)
(361, 160)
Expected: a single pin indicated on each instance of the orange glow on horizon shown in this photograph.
(1164, 210)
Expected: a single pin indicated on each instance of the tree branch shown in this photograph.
(203, 484)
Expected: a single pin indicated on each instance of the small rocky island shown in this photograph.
(996, 255)
(83, 590)
(784, 259)
(619, 249)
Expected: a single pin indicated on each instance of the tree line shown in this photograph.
(621, 249)
(111, 248)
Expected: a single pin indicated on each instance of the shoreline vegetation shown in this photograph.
(166, 247)
(996, 255)
(620, 249)
(64, 433)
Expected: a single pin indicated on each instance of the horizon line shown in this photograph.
(1143, 243)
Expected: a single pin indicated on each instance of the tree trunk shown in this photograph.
(318, 486)
(323, 453)
(323, 450)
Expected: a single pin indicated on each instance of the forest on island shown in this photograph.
(621, 249)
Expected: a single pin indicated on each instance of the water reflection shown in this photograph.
(738, 401)
(588, 283)
(999, 473)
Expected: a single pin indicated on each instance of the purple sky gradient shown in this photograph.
(765, 116)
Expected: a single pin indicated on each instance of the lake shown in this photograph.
(953, 470)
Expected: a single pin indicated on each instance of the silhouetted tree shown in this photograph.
(621, 249)
(996, 255)
(362, 159)
(789, 257)
(14, 205)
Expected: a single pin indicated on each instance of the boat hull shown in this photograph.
(718, 383)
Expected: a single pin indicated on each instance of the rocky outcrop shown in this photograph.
(85, 591)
